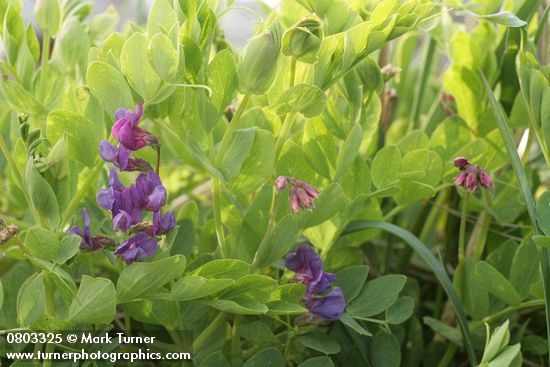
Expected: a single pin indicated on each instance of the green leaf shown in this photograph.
(255, 286)
(140, 278)
(109, 87)
(351, 281)
(216, 359)
(95, 302)
(496, 283)
(386, 166)
(525, 271)
(42, 243)
(31, 300)
(473, 296)
(163, 57)
(83, 135)
(320, 342)
(222, 79)
(258, 165)
(161, 17)
(400, 311)
(136, 67)
(42, 196)
(193, 287)
(354, 325)
(317, 362)
(245, 305)
(543, 213)
(269, 357)
(349, 150)
(425, 254)
(68, 247)
(237, 151)
(505, 17)
(385, 350)
(307, 99)
(223, 269)
(377, 295)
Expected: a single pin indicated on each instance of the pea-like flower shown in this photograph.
(301, 194)
(308, 267)
(329, 307)
(87, 241)
(127, 132)
(471, 176)
(120, 158)
(136, 248)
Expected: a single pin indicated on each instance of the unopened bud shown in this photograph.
(258, 64)
(280, 183)
(303, 40)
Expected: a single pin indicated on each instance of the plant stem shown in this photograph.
(49, 348)
(45, 53)
(224, 144)
(218, 320)
(289, 336)
(463, 221)
(421, 87)
(448, 356)
(216, 204)
(292, 72)
(270, 224)
(481, 230)
(508, 310)
(285, 131)
(158, 159)
(236, 342)
(77, 199)
(6, 153)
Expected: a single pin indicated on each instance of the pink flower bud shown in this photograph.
(293, 201)
(484, 179)
(459, 180)
(311, 191)
(460, 162)
(303, 197)
(280, 183)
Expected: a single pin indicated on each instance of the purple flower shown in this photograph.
(471, 176)
(127, 132)
(329, 307)
(120, 157)
(148, 192)
(308, 267)
(163, 224)
(136, 248)
(87, 241)
(119, 200)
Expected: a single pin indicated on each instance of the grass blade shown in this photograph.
(437, 267)
(502, 124)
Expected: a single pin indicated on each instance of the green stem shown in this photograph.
(448, 356)
(504, 312)
(216, 207)
(236, 342)
(421, 87)
(197, 344)
(483, 228)
(224, 144)
(292, 72)
(45, 53)
(6, 153)
(289, 337)
(285, 131)
(263, 245)
(463, 221)
(77, 199)
(49, 349)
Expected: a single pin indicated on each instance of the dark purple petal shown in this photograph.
(163, 224)
(136, 248)
(330, 307)
(306, 263)
(323, 284)
(460, 162)
(122, 221)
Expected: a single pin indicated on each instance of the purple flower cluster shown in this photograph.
(471, 176)
(127, 204)
(301, 194)
(308, 267)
